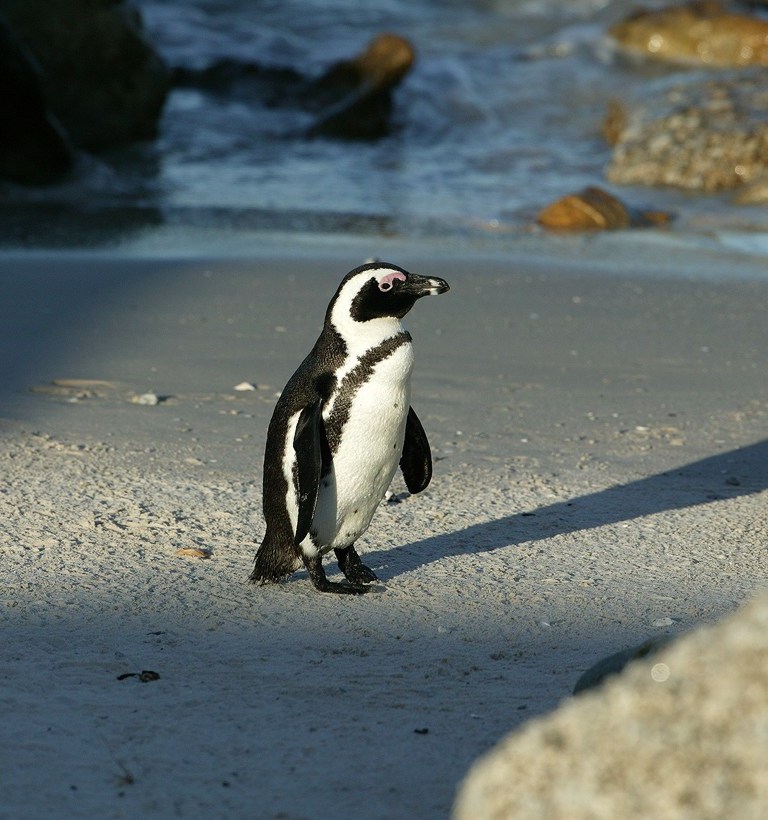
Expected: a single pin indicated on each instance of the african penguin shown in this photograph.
(340, 428)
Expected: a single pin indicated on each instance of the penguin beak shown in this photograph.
(420, 286)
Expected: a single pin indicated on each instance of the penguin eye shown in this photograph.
(387, 282)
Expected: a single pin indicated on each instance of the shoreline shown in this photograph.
(737, 241)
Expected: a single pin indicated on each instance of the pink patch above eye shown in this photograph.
(386, 282)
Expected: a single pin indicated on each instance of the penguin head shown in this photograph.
(379, 291)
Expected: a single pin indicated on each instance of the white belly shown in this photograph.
(368, 454)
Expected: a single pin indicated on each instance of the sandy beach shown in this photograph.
(597, 417)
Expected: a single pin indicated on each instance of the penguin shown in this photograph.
(340, 428)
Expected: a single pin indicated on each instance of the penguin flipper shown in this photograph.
(416, 461)
(307, 443)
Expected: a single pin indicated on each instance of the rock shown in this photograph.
(99, 77)
(352, 99)
(687, 738)
(595, 209)
(615, 121)
(34, 149)
(613, 664)
(697, 33)
(193, 552)
(355, 96)
(227, 76)
(147, 399)
(590, 209)
(701, 135)
(754, 192)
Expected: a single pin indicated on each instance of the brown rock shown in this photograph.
(355, 96)
(615, 121)
(351, 100)
(700, 33)
(754, 192)
(380, 66)
(193, 552)
(594, 209)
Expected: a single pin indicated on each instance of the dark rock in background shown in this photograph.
(98, 77)
(34, 149)
(351, 100)
(355, 96)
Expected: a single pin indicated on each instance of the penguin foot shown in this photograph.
(340, 588)
(353, 568)
(321, 583)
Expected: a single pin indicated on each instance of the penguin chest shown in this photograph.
(369, 419)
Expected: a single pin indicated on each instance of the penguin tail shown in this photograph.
(274, 562)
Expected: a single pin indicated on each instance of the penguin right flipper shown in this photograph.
(416, 461)
(307, 443)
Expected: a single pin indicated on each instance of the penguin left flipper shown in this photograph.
(416, 461)
(307, 443)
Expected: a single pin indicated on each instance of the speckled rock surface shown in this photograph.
(687, 738)
(705, 136)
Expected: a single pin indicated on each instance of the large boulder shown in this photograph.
(700, 135)
(34, 149)
(685, 735)
(99, 77)
(700, 33)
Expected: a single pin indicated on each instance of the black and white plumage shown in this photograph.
(340, 428)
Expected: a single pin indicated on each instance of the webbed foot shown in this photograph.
(355, 571)
(321, 583)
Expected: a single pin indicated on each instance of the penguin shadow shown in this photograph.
(739, 472)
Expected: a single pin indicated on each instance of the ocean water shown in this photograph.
(500, 115)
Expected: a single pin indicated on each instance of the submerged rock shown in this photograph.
(705, 136)
(686, 738)
(594, 209)
(697, 33)
(355, 96)
(352, 99)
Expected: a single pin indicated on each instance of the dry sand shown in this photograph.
(598, 424)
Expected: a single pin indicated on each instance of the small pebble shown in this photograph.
(148, 399)
(193, 552)
(243, 386)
